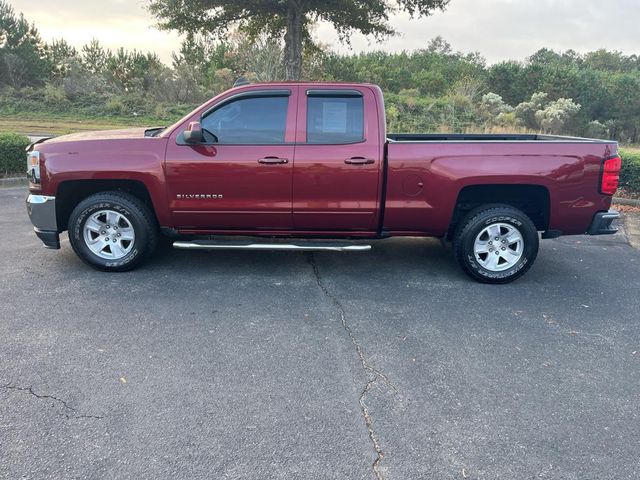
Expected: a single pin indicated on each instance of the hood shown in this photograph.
(123, 134)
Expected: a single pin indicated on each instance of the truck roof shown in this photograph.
(308, 83)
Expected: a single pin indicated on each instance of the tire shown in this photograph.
(113, 231)
(506, 259)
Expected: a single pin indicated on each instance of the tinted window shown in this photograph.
(251, 120)
(335, 119)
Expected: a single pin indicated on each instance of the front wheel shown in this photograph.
(496, 244)
(113, 231)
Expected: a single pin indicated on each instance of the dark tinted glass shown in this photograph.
(335, 120)
(252, 120)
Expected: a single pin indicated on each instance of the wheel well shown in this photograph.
(533, 200)
(72, 192)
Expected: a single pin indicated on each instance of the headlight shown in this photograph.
(33, 166)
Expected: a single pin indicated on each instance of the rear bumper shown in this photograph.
(42, 213)
(602, 221)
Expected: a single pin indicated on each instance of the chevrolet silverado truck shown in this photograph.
(310, 167)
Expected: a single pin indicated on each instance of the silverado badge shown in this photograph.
(198, 196)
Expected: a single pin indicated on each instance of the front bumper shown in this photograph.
(602, 221)
(42, 212)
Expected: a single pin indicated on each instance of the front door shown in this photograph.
(240, 177)
(338, 161)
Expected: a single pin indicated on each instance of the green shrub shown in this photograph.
(13, 159)
(114, 106)
(135, 104)
(54, 96)
(630, 175)
(160, 111)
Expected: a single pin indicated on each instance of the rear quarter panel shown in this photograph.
(569, 171)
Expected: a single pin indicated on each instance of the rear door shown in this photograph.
(338, 160)
(241, 178)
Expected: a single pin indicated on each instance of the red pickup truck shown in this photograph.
(309, 166)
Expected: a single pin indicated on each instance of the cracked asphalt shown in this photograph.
(253, 365)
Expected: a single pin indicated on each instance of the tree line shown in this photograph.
(430, 89)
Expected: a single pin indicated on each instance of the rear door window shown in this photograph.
(334, 118)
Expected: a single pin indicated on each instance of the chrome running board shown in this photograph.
(296, 247)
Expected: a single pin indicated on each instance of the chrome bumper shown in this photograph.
(42, 212)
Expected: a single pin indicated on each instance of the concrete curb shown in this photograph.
(632, 229)
(630, 202)
(13, 182)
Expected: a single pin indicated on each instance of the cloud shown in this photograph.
(115, 23)
(505, 29)
(499, 29)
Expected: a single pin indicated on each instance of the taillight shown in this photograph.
(610, 175)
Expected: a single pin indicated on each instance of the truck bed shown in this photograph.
(475, 137)
(427, 174)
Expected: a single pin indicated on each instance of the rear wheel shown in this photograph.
(113, 231)
(496, 244)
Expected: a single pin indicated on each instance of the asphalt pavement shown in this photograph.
(259, 365)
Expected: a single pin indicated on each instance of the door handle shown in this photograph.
(273, 160)
(359, 161)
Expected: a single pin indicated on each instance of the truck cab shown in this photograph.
(288, 157)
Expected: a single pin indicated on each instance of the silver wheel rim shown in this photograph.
(499, 247)
(109, 234)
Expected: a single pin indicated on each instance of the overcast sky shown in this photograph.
(499, 29)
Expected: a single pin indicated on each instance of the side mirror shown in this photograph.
(193, 134)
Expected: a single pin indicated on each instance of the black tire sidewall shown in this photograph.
(76, 236)
(479, 223)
